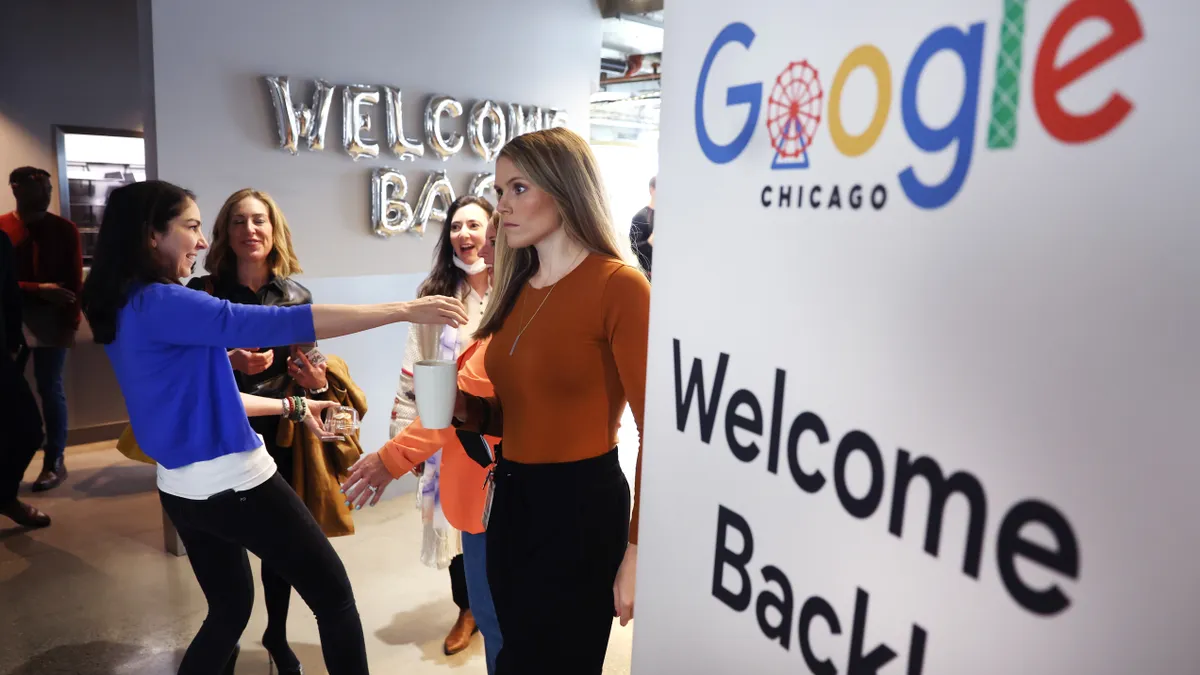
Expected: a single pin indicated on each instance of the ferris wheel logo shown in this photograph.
(794, 114)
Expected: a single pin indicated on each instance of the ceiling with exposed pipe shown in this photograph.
(626, 107)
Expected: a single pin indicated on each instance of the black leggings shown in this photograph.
(271, 522)
(555, 540)
(277, 592)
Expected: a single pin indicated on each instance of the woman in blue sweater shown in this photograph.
(216, 480)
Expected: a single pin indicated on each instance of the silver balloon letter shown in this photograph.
(404, 147)
(482, 185)
(390, 214)
(304, 122)
(522, 121)
(437, 187)
(355, 121)
(444, 146)
(482, 112)
(554, 118)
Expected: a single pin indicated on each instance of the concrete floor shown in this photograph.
(96, 594)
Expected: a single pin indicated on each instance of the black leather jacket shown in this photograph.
(277, 292)
(271, 382)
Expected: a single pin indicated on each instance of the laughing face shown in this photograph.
(177, 247)
(467, 231)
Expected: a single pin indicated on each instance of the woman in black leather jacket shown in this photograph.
(251, 262)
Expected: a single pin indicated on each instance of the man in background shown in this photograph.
(641, 233)
(49, 266)
(23, 432)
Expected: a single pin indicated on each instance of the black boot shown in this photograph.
(281, 656)
(53, 474)
(229, 665)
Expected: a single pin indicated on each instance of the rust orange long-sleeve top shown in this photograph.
(560, 394)
(462, 478)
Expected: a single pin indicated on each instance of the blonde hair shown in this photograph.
(559, 162)
(221, 260)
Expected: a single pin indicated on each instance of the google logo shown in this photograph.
(1050, 76)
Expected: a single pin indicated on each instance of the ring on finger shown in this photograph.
(373, 489)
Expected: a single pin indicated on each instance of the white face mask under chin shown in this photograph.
(475, 268)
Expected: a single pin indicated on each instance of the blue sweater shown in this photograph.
(171, 362)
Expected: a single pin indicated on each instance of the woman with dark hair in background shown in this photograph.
(251, 262)
(567, 330)
(458, 271)
(216, 480)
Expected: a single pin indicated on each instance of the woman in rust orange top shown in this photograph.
(567, 330)
(463, 478)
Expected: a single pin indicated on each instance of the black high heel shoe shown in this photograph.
(229, 665)
(281, 659)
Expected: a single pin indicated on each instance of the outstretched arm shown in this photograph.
(177, 315)
(259, 406)
(374, 472)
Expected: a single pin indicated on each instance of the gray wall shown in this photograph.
(215, 122)
(215, 128)
(69, 62)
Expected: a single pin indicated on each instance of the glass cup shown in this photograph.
(341, 421)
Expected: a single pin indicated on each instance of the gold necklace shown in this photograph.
(517, 339)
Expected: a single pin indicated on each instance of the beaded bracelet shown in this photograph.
(299, 409)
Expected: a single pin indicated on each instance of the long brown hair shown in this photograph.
(559, 162)
(446, 278)
(221, 261)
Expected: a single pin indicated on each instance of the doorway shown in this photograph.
(91, 164)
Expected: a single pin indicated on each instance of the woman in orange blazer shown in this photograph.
(462, 480)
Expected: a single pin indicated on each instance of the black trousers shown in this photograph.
(555, 540)
(272, 522)
(458, 583)
(22, 437)
(277, 592)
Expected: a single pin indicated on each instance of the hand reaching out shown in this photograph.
(368, 478)
(436, 309)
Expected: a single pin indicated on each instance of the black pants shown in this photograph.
(277, 592)
(272, 522)
(458, 583)
(555, 540)
(22, 437)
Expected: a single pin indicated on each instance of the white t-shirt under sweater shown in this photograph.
(239, 472)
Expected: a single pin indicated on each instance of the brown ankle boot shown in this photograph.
(459, 637)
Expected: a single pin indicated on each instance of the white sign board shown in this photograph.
(925, 342)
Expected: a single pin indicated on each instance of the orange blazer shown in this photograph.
(462, 479)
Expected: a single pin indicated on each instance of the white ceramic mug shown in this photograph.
(436, 384)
